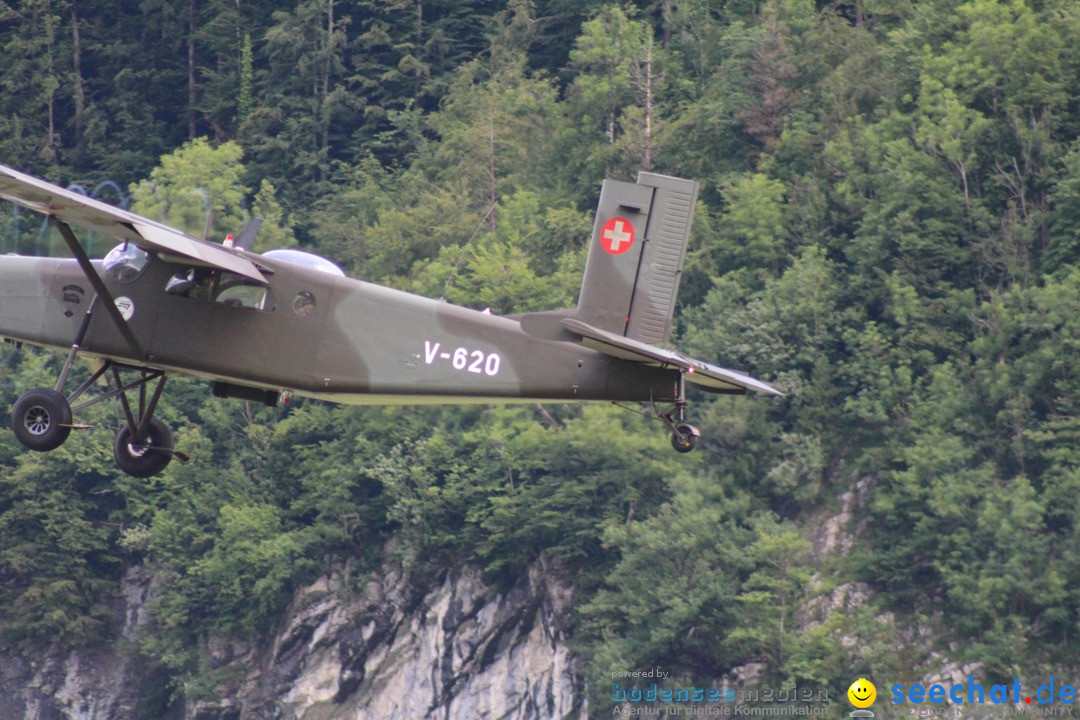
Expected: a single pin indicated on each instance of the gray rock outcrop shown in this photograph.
(397, 648)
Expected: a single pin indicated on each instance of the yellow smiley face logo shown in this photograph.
(862, 693)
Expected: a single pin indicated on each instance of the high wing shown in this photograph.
(73, 208)
(698, 372)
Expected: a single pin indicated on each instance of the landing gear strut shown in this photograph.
(42, 420)
(42, 417)
(684, 436)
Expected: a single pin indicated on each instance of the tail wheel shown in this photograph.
(147, 458)
(685, 437)
(41, 419)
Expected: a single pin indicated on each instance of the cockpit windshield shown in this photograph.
(310, 260)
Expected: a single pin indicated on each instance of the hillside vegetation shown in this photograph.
(889, 230)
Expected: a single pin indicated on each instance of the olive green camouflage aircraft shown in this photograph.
(288, 323)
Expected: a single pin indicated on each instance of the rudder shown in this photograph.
(636, 257)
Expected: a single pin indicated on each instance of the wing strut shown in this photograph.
(98, 285)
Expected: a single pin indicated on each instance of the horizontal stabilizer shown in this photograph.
(710, 377)
(76, 209)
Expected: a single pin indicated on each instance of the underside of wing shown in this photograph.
(75, 209)
(698, 372)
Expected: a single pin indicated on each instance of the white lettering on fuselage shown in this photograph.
(477, 362)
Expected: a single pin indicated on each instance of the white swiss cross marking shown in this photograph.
(617, 235)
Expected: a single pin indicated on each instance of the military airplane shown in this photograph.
(284, 323)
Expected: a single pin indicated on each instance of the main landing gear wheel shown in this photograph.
(41, 419)
(146, 458)
(684, 437)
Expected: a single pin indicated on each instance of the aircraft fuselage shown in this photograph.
(319, 335)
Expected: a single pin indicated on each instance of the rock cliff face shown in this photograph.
(393, 649)
(52, 682)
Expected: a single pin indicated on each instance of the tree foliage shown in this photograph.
(887, 228)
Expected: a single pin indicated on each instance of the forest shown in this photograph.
(888, 230)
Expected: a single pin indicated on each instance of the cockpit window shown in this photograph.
(194, 283)
(125, 263)
(236, 291)
(223, 287)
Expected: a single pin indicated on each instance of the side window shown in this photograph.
(198, 283)
(236, 291)
(223, 287)
(303, 304)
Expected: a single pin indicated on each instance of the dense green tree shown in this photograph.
(771, 595)
(673, 595)
(292, 128)
(197, 189)
(34, 69)
(58, 560)
(612, 96)
(886, 229)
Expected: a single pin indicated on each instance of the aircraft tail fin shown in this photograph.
(636, 256)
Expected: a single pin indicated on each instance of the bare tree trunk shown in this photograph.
(192, 8)
(494, 196)
(666, 12)
(239, 36)
(329, 50)
(78, 93)
(646, 162)
(51, 73)
(328, 62)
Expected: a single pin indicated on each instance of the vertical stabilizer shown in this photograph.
(636, 256)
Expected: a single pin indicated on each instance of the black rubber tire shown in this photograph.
(41, 419)
(151, 457)
(686, 439)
